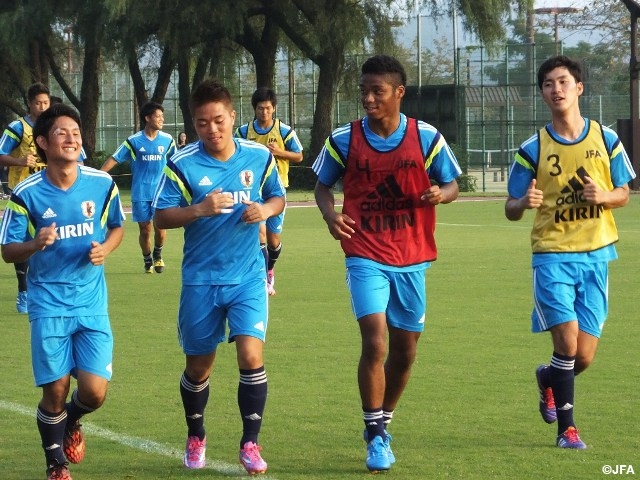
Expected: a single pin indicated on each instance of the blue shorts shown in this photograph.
(564, 292)
(400, 295)
(60, 345)
(141, 211)
(275, 224)
(205, 309)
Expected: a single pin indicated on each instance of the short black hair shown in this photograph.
(46, 120)
(209, 91)
(37, 89)
(385, 64)
(263, 94)
(148, 109)
(559, 61)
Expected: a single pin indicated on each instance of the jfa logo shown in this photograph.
(618, 470)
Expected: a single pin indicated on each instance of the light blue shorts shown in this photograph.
(564, 292)
(60, 345)
(275, 224)
(400, 295)
(141, 211)
(205, 309)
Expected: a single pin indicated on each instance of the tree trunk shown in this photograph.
(90, 89)
(330, 65)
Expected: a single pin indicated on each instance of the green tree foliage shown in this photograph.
(198, 37)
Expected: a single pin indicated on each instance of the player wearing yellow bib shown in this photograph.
(18, 152)
(282, 141)
(573, 172)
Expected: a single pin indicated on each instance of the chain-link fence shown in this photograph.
(497, 105)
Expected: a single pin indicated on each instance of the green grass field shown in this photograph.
(469, 412)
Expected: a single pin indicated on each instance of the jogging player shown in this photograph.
(573, 173)
(219, 189)
(65, 220)
(395, 170)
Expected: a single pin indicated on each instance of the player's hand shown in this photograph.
(46, 236)
(97, 253)
(592, 193)
(340, 225)
(274, 149)
(30, 160)
(254, 213)
(533, 198)
(216, 203)
(432, 195)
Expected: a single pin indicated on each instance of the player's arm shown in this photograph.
(445, 193)
(259, 212)
(100, 251)
(108, 164)
(340, 225)
(295, 157)
(514, 207)
(18, 252)
(28, 160)
(618, 197)
(215, 203)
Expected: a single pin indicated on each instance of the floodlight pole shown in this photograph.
(634, 74)
(555, 11)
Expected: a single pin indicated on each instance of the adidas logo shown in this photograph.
(388, 189)
(205, 181)
(565, 407)
(195, 416)
(253, 416)
(388, 195)
(259, 326)
(142, 149)
(572, 193)
(49, 214)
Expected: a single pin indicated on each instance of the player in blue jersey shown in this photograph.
(219, 189)
(283, 142)
(18, 154)
(395, 170)
(147, 152)
(573, 173)
(65, 220)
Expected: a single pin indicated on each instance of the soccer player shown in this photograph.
(219, 189)
(395, 170)
(573, 173)
(282, 141)
(147, 151)
(18, 153)
(65, 220)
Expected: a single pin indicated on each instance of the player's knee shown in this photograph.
(582, 363)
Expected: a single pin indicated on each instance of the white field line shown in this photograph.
(143, 444)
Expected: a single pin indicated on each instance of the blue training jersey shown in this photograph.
(147, 159)
(61, 279)
(524, 168)
(221, 249)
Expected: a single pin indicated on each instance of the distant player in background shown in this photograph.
(147, 151)
(285, 146)
(18, 153)
(219, 190)
(387, 163)
(182, 140)
(573, 195)
(65, 220)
